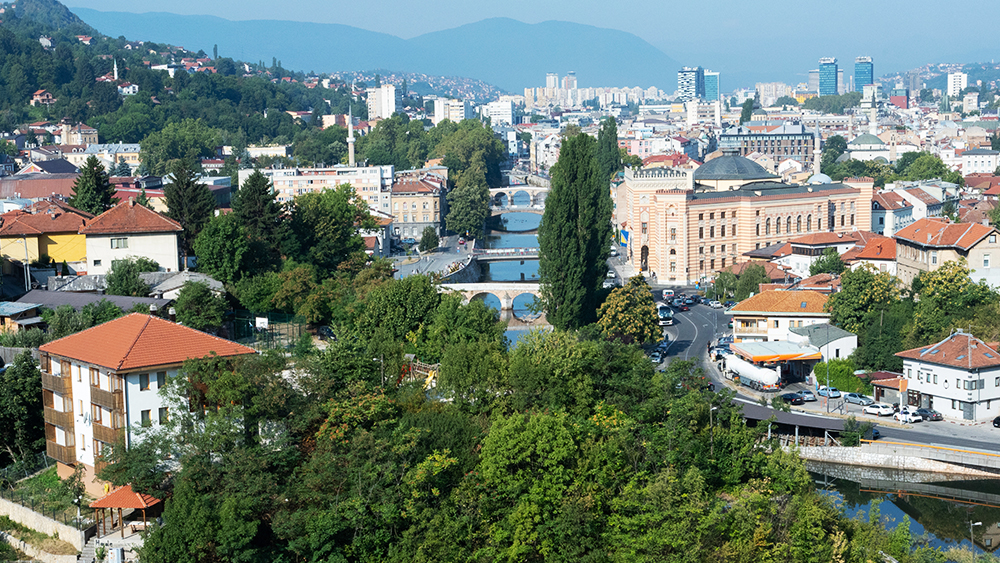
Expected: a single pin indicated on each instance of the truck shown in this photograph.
(753, 376)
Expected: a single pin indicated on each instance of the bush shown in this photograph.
(27, 338)
(842, 376)
(429, 239)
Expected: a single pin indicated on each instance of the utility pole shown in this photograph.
(972, 540)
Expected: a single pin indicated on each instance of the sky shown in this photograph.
(779, 40)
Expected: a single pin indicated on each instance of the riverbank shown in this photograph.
(906, 457)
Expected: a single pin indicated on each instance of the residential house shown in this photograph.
(809, 248)
(48, 228)
(769, 315)
(890, 213)
(128, 230)
(110, 153)
(928, 243)
(879, 254)
(100, 384)
(56, 166)
(928, 198)
(42, 98)
(417, 204)
(15, 316)
(958, 376)
(78, 134)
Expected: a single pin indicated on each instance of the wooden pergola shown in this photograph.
(122, 498)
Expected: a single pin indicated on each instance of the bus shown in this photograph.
(665, 314)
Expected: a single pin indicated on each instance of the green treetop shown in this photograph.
(189, 202)
(608, 155)
(92, 191)
(629, 315)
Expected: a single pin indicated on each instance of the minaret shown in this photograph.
(116, 70)
(817, 153)
(350, 136)
(873, 121)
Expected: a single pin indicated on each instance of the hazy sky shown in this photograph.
(748, 41)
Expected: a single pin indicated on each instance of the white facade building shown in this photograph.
(452, 110)
(383, 101)
(957, 81)
(890, 213)
(128, 230)
(980, 161)
(500, 112)
(373, 184)
(770, 315)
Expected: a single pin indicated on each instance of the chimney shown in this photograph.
(152, 309)
(173, 314)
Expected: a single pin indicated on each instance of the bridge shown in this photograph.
(505, 292)
(537, 194)
(495, 254)
(498, 210)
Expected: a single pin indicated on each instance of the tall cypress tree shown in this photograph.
(609, 157)
(257, 209)
(188, 202)
(574, 236)
(92, 191)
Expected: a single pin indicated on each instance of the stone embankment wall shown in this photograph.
(27, 517)
(900, 458)
(36, 553)
(469, 273)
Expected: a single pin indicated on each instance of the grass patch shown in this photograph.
(46, 492)
(42, 541)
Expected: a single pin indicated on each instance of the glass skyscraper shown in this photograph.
(712, 91)
(828, 77)
(864, 73)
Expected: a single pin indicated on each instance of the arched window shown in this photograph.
(758, 229)
(788, 225)
(777, 226)
(798, 224)
(809, 223)
(767, 227)
(673, 252)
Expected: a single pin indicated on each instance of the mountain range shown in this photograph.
(505, 52)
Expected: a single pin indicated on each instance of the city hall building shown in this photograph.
(681, 227)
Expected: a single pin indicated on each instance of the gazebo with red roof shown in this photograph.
(122, 498)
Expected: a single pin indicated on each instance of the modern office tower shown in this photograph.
(551, 80)
(569, 81)
(712, 89)
(864, 73)
(913, 82)
(957, 81)
(828, 76)
(814, 80)
(691, 83)
(841, 85)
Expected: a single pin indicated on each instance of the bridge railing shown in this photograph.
(505, 251)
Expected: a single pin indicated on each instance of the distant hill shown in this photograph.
(49, 13)
(505, 52)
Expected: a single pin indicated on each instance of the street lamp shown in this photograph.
(828, 367)
(711, 429)
(972, 541)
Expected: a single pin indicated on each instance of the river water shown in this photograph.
(938, 508)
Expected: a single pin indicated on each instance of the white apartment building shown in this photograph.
(982, 161)
(890, 213)
(959, 377)
(373, 184)
(957, 81)
(383, 101)
(769, 315)
(128, 230)
(452, 110)
(500, 112)
(100, 384)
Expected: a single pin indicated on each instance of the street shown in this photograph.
(437, 261)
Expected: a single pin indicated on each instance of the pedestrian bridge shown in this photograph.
(500, 210)
(536, 194)
(496, 254)
(505, 292)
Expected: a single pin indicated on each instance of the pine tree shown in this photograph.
(92, 192)
(574, 236)
(122, 169)
(609, 157)
(143, 200)
(258, 210)
(188, 202)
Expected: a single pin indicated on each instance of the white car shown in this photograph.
(908, 415)
(879, 409)
(715, 304)
(611, 274)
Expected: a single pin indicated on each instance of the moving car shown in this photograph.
(793, 398)
(879, 409)
(929, 414)
(683, 307)
(858, 399)
(872, 434)
(689, 301)
(831, 392)
(908, 415)
(668, 293)
(614, 252)
(715, 305)
(807, 395)
(665, 315)
(461, 240)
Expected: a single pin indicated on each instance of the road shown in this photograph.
(437, 261)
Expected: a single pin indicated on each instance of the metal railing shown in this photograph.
(749, 330)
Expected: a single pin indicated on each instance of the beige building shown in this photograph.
(928, 243)
(682, 227)
(417, 203)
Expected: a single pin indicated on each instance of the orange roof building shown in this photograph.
(928, 243)
(46, 228)
(769, 315)
(100, 383)
(129, 230)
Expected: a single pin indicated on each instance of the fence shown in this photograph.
(65, 516)
(8, 354)
(25, 468)
(268, 331)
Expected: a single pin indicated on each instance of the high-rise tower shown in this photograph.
(828, 76)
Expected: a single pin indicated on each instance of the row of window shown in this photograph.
(966, 384)
(395, 206)
(413, 218)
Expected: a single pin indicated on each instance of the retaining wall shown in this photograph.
(34, 552)
(27, 517)
(869, 455)
(469, 273)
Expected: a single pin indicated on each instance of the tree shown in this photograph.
(750, 280)
(429, 239)
(786, 101)
(21, 422)
(199, 307)
(747, 113)
(223, 249)
(92, 191)
(630, 160)
(828, 263)
(574, 236)
(123, 279)
(143, 200)
(628, 314)
(256, 208)
(189, 202)
(608, 155)
(468, 207)
(190, 139)
(862, 292)
(325, 226)
(121, 168)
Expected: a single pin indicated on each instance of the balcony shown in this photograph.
(758, 331)
(63, 420)
(57, 384)
(106, 435)
(108, 399)
(64, 454)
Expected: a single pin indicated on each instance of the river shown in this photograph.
(937, 507)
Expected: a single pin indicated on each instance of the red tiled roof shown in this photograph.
(893, 383)
(413, 186)
(826, 238)
(960, 350)
(891, 201)
(923, 196)
(127, 217)
(19, 223)
(875, 375)
(940, 232)
(790, 302)
(772, 270)
(138, 341)
(125, 497)
(883, 248)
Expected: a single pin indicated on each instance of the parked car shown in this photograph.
(324, 332)
(872, 434)
(829, 392)
(996, 422)
(807, 395)
(879, 409)
(929, 414)
(409, 241)
(793, 398)
(697, 299)
(608, 284)
(908, 415)
(858, 399)
(611, 274)
(614, 252)
(655, 357)
(728, 304)
(715, 305)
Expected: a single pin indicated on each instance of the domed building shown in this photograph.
(680, 227)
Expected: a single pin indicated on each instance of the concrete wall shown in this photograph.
(27, 517)
(34, 552)
(162, 247)
(470, 273)
(899, 457)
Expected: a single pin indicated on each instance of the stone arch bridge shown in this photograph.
(536, 193)
(505, 292)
